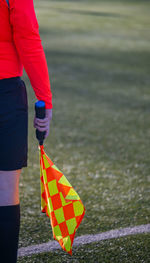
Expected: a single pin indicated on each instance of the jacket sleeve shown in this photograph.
(27, 40)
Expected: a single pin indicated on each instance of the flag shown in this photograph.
(60, 202)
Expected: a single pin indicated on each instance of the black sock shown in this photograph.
(9, 233)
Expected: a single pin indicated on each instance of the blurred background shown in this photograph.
(98, 55)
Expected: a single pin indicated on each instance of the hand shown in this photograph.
(44, 124)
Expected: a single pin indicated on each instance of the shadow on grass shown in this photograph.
(86, 12)
(116, 84)
(102, 1)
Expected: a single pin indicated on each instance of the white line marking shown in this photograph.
(86, 239)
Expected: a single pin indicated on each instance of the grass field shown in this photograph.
(98, 54)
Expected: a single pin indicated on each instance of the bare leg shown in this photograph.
(9, 187)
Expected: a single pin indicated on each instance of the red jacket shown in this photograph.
(20, 46)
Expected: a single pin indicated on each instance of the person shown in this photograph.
(20, 47)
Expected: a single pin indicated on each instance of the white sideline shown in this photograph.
(86, 239)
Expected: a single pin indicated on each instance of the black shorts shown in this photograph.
(13, 124)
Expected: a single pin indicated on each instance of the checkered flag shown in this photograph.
(60, 202)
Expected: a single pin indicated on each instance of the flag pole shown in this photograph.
(40, 114)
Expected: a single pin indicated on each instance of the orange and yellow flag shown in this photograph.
(60, 202)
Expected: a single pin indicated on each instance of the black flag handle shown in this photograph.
(40, 114)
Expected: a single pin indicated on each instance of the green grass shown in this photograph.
(98, 56)
(135, 249)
